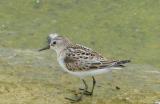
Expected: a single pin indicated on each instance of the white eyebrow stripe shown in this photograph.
(54, 35)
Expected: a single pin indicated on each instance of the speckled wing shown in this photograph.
(80, 58)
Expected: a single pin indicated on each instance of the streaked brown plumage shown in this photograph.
(80, 58)
(81, 61)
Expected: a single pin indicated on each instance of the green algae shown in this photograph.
(23, 82)
(122, 29)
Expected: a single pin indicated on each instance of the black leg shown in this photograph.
(94, 83)
(79, 98)
(85, 84)
(85, 92)
(91, 93)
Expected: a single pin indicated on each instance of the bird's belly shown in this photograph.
(83, 74)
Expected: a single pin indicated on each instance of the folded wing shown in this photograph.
(80, 58)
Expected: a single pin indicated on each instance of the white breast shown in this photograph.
(61, 63)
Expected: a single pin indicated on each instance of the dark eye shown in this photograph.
(54, 42)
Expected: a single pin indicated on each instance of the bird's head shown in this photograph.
(56, 42)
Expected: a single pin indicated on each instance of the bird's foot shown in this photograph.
(88, 93)
(76, 99)
(82, 89)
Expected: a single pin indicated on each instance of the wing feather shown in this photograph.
(80, 58)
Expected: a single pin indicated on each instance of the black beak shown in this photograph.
(45, 48)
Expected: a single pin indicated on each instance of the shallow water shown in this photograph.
(27, 76)
(120, 29)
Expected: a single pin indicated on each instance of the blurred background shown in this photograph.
(120, 29)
